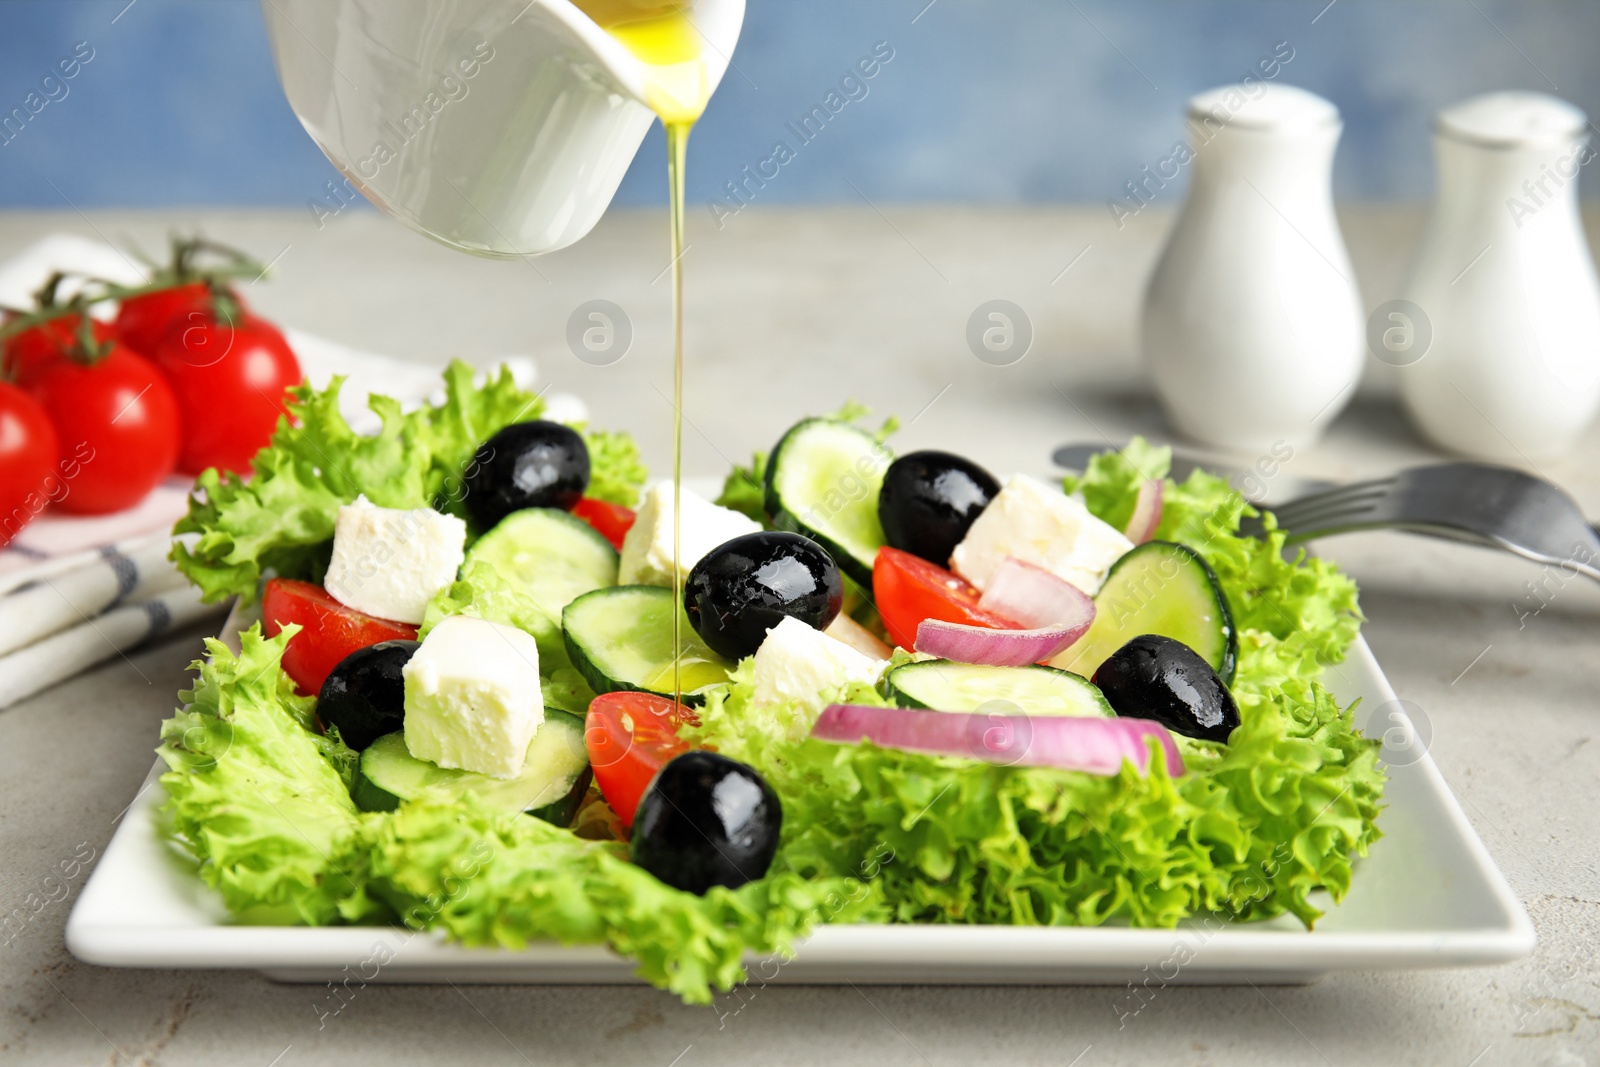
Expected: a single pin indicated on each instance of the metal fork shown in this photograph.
(1472, 502)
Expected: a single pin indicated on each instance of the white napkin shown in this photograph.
(57, 658)
(102, 583)
(119, 574)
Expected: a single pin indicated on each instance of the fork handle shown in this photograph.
(1252, 528)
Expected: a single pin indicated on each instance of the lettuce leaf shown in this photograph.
(255, 795)
(281, 520)
(517, 879)
(616, 473)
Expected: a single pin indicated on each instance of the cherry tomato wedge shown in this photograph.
(630, 737)
(611, 521)
(329, 631)
(908, 589)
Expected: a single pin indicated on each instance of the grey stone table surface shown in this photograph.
(789, 313)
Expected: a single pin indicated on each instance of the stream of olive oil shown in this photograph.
(677, 86)
(677, 147)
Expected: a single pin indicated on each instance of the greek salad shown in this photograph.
(911, 691)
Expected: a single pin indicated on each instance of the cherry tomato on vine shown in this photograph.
(143, 321)
(231, 381)
(118, 420)
(28, 453)
(30, 353)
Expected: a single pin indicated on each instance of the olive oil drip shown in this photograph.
(676, 87)
(677, 150)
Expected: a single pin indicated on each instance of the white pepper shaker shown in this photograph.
(1252, 325)
(1504, 283)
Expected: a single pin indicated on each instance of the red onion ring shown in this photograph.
(1146, 517)
(1073, 743)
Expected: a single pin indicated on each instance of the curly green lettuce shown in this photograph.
(281, 519)
(616, 473)
(1251, 831)
(255, 794)
(262, 799)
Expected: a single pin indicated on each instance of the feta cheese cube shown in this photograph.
(806, 668)
(390, 562)
(1037, 523)
(647, 548)
(472, 696)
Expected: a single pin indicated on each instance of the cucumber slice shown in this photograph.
(823, 481)
(621, 638)
(1162, 588)
(945, 685)
(550, 556)
(550, 787)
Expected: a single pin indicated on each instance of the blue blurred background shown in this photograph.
(991, 101)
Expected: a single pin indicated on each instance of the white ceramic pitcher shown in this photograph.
(500, 127)
(1252, 323)
(1505, 281)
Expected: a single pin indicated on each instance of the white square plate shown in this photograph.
(1428, 896)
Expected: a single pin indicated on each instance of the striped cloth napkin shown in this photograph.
(76, 590)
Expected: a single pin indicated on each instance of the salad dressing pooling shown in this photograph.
(677, 87)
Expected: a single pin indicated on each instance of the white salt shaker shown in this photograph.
(1252, 324)
(1504, 283)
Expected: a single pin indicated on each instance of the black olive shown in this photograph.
(1155, 677)
(365, 696)
(706, 820)
(744, 587)
(929, 500)
(526, 465)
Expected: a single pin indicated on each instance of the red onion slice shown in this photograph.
(1054, 612)
(1093, 745)
(1146, 517)
(1035, 597)
(994, 648)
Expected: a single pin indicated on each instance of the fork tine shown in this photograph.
(1357, 498)
(1305, 527)
(1353, 489)
(1299, 514)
